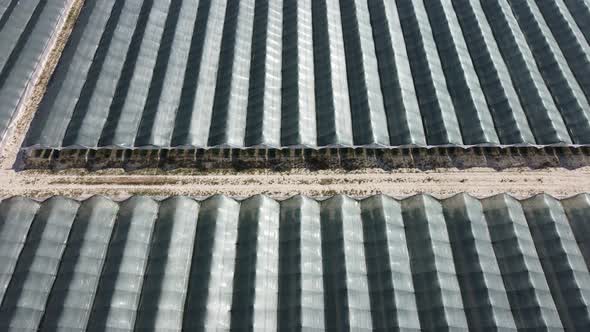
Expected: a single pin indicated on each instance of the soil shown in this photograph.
(117, 184)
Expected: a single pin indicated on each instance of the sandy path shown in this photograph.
(478, 182)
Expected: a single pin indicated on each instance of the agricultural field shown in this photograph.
(291, 165)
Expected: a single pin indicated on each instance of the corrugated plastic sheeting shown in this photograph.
(278, 73)
(338, 264)
(25, 30)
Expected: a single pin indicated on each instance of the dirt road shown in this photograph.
(478, 182)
